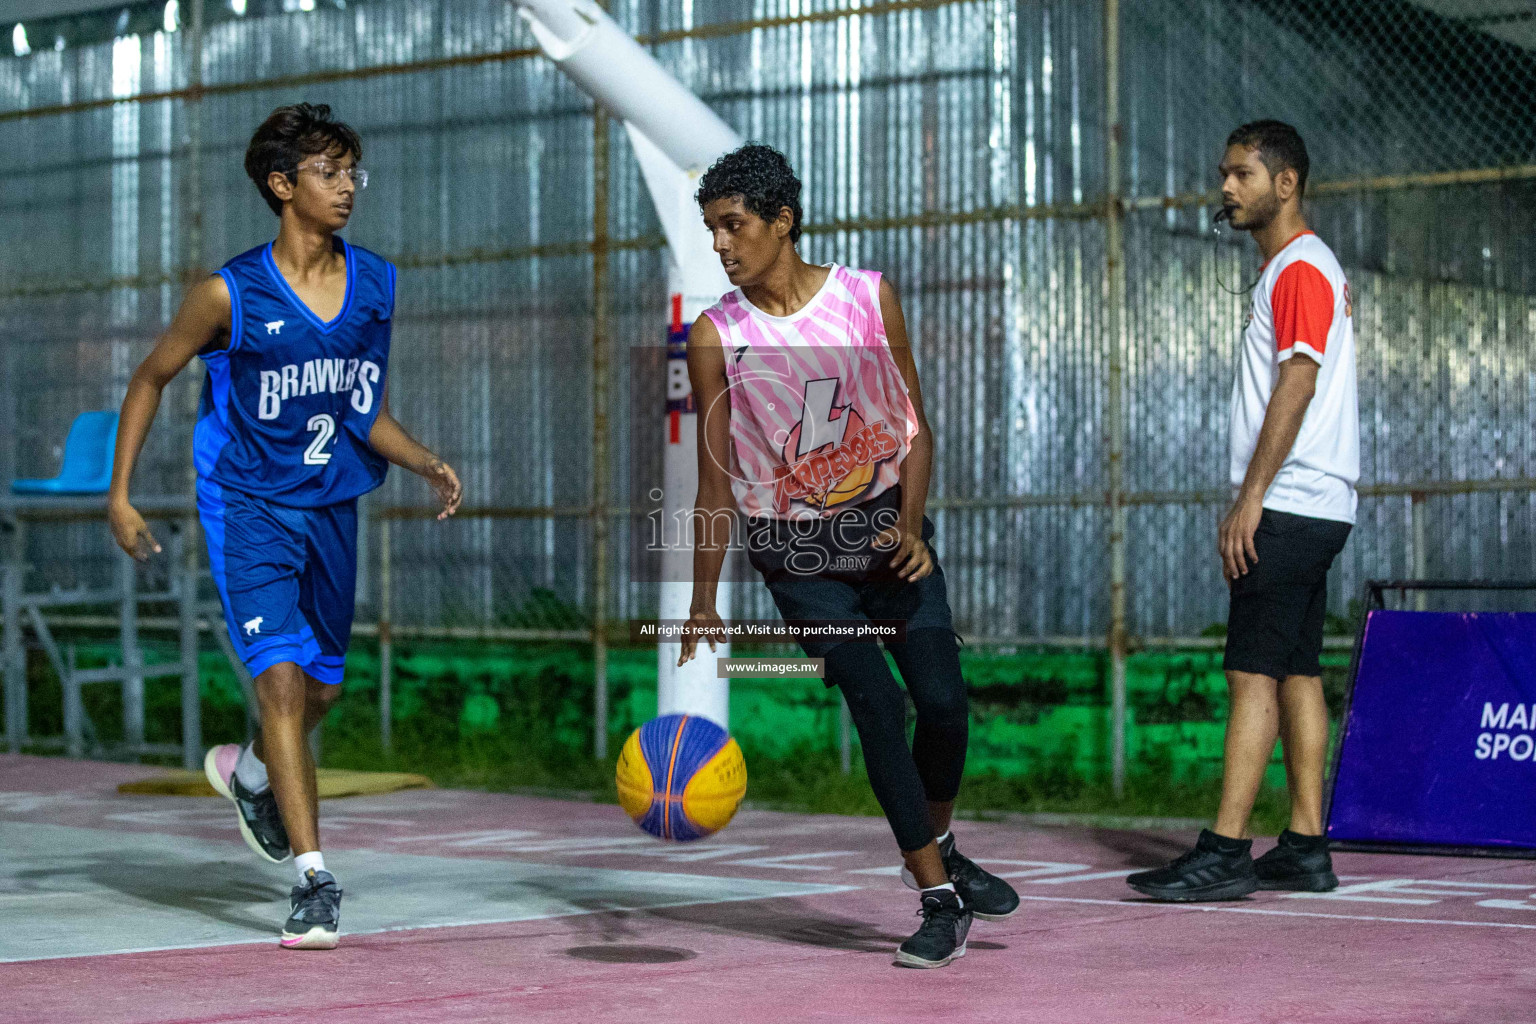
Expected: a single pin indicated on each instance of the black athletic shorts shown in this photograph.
(1275, 625)
(823, 573)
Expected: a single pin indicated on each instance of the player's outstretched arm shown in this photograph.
(714, 503)
(390, 440)
(201, 322)
(912, 559)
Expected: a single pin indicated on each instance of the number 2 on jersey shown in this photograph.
(324, 425)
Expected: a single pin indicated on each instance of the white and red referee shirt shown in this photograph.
(1301, 308)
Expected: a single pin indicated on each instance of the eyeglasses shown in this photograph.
(330, 174)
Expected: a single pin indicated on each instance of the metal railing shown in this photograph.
(20, 608)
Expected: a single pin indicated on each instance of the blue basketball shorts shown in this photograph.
(287, 578)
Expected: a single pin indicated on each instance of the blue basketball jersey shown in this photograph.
(288, 406)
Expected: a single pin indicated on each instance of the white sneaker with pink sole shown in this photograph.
(261, 824)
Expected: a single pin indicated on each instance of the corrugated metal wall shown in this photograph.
(958, 146)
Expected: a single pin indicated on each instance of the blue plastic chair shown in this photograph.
(87, 459)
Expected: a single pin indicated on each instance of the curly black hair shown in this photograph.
(1279, 147)
(287, 136)
(760, 177)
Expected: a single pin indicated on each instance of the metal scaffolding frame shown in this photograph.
(35, 609)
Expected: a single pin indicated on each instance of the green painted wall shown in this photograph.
(1032, 711)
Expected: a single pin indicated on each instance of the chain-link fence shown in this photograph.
(961, 146)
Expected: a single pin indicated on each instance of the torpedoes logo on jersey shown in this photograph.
(831, 455)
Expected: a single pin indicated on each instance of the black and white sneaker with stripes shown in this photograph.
(1217, 868)
(985, 895)
(261, 823)
(941, 939)
(315, 921)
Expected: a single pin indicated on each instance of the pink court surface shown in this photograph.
(466, 906)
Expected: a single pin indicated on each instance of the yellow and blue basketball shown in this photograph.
(681, 777)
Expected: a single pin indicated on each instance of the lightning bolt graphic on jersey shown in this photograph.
(818, 427)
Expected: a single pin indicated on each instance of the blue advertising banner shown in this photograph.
(1439, 744)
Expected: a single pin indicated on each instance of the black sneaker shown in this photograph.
(261, 825)
(985, 895)
(1204, 873)
(316, 919)
(942, 935)
(1298, 864)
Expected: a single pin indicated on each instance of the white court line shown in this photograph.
(790, 861)
(1277, 913)
(47, 895)
(1079, 878)
(1507, 904)
(1392, 890)
(819, 890)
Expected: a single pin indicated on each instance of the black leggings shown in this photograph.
(906, 780)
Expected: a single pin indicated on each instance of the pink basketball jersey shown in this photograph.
(820, 415)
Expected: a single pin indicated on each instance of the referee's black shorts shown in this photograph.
(1275, 625)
